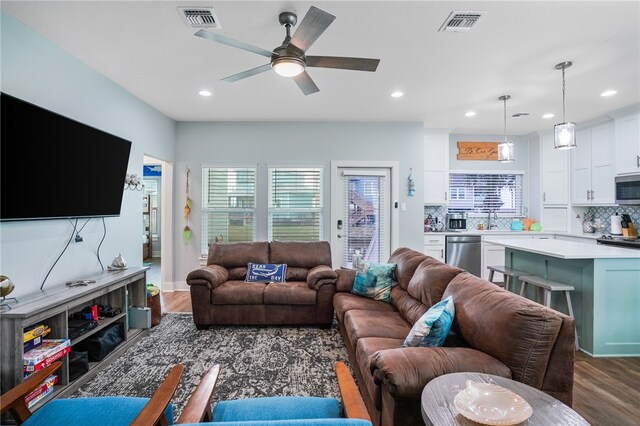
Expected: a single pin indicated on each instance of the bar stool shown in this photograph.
(547, 287)
(509, 275)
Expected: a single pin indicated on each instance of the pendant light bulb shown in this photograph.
(506, 149)
(565, 132)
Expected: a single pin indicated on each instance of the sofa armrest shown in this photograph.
(345, 279)
(211, 276)
(406, 371)
(320, 275)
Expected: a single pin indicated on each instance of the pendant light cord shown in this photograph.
(563, 96)
(505, 120)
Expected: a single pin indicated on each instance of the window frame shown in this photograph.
(516, 214)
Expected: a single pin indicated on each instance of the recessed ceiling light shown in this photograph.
(469, 113)
(397, 94)
(548, 115)
(608, 93)
(204, 93)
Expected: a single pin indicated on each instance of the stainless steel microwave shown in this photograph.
(628, 190)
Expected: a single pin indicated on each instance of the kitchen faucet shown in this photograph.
(495, 216)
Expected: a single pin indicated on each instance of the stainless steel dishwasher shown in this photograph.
(465, 252)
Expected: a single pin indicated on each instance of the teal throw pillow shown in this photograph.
(374, 280)
(432, 327)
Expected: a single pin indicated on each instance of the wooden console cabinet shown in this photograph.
(53, 307)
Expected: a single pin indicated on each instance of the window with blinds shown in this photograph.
(228, 205)
(485, 192)
(295, 204)
(366, 228)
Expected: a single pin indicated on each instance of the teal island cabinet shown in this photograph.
(606, 299)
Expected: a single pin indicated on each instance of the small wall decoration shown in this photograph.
(133, 182)
(477, 151)
(411, 186)
(186, 232)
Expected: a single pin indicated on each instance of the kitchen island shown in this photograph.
(606, 299)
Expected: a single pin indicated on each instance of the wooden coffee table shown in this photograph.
(438, 396)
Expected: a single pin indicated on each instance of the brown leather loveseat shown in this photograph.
(219, 294)
(494, 332)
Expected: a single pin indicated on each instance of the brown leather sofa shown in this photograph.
(494, 332)
(219, 294)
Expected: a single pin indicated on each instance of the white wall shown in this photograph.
(311, 143)
(38, 71)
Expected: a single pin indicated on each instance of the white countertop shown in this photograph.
(566, 249)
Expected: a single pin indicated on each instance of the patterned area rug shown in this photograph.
(254, 361)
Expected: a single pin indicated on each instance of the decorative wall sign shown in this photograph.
(477, 151)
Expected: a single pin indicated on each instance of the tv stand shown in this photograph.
(52, 306)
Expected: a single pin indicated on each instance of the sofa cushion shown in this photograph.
(365, 348)
(432, 328)
(359, 324)
(343, 302)
(407, 261)
(411, 309)
(296, 274)
(238, 273)
(430, 280)
(406, 371)
(300, 254)
(374, 280)
(290, 293)
(238, 293)
(231, 255)
(528, 330)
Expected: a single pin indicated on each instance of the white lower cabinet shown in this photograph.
(434, 246)
(492, 255)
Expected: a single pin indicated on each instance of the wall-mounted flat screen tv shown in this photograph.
(52, 167)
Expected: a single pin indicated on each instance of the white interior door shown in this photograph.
(362, 219)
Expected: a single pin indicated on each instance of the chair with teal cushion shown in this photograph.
(284, 411)
(107, 411)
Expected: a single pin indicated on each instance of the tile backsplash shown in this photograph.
(441, 213)
(603, 214)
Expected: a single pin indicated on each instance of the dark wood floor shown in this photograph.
(606, 391)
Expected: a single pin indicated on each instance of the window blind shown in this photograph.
(228, 205)
(366, 218)
(295, 204)
(482, 193)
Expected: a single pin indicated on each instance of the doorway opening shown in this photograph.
(152, 219)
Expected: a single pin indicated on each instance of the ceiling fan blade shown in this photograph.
(305, 83)
(234, 43)
(314, 23)
(247, 73)
(341, 62)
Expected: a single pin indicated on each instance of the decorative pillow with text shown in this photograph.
(266, 273)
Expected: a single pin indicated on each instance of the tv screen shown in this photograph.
(52, 167)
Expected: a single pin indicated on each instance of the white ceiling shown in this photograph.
(148, 49)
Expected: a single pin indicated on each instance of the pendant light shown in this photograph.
(565, 132)
(506, 150)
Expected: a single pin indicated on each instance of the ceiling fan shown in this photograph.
(289, 59)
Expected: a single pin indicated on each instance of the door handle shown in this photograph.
(339, 236)
(441, 253)
(588, 197)
(592, 196)
(638, 160)
(544, 196)
(445, 192)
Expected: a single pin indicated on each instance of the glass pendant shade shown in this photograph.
(288, 67)
(564, 133)
(565, 136)
(506, 152)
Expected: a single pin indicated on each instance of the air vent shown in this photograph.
(520, 114)
(200, 17)
(461, 21)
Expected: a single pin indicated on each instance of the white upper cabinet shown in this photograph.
(628, 144)
(592, 166)
(555, 172)
(436, 169)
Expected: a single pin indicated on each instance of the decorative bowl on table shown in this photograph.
(490, 404)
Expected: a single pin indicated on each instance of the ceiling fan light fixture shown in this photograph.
(287, 67)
